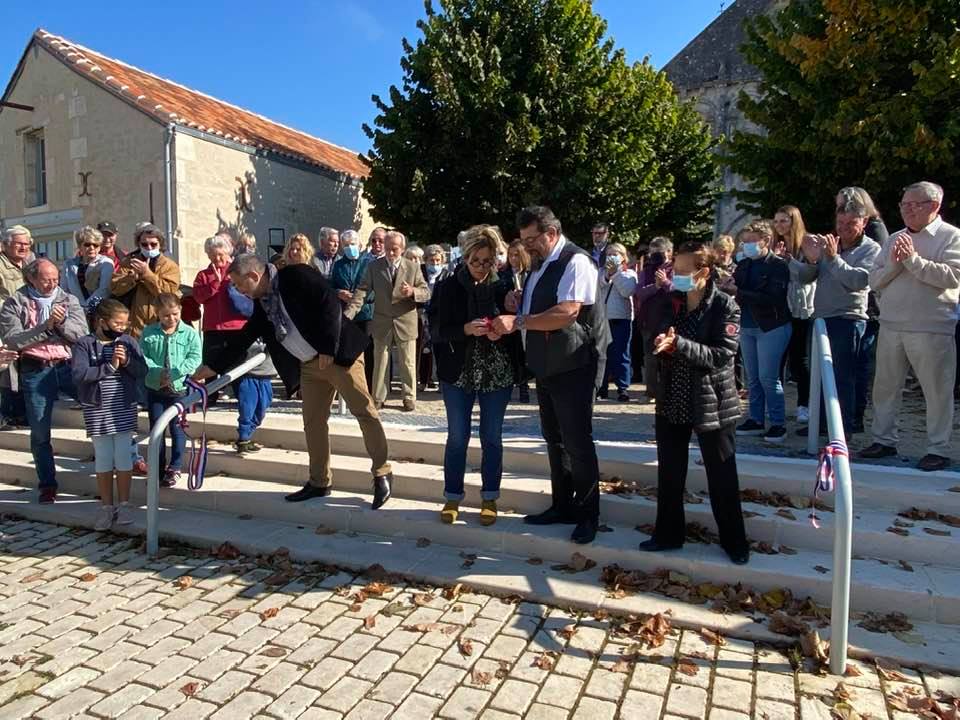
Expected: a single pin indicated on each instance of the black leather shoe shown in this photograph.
(382, 486)
(653, 545)
(876, 451)
(550, 516)
(585, 532)
(739, 557)
(306, 492)
(932, 463)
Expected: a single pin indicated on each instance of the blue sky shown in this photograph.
(310, 65)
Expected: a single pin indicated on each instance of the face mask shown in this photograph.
(351, 252)
(111, 334)
(455, 254)
(434, 269)
(683, 283)
(613, 260)
(151, 253)
(501, 258)
(751, 250)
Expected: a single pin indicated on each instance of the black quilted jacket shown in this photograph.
(710, 355)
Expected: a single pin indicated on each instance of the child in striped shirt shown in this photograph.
(107, 369)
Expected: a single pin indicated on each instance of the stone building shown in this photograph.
(85, 138)
(712, 71)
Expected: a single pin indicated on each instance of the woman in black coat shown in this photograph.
(700, 331)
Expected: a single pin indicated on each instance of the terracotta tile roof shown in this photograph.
(168, 102)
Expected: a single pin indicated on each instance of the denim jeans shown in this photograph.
(254, 396)
(459, 405)
(40, 391)
(844, 335)
(762, 352)
(157, 403)
(866, 366)
(618, 355)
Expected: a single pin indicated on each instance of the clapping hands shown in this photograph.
(902, 247)
(665, 342)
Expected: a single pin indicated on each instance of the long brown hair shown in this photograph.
(797, 230)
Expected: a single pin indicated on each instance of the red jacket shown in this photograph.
(115, 254)
(218, 311)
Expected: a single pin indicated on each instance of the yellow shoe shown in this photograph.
(450, 512)
(488, 512)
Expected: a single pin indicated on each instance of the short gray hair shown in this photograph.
(15, 230)
(930, 190)
(857, 194)
(218, 242)
(853, 206)
(151, 231)
(433, 250)
(396, 234)
(247, 263)
(246, 243)
(32, 270)
(348, 236)
(661, 243)
(87, 233)
(326, 232)
(414, 252)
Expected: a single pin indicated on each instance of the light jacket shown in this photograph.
(185, 354)
(841, 281)
(218, 310)
(97, 279)
(346, 275)
(616, 293)
(89, 368)
(139, 294)
(11, 277)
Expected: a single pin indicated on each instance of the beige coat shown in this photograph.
(165, 278)
(392, 313)
(11, 277)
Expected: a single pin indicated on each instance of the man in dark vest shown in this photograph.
(566, 335)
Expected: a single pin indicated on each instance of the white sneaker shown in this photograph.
(803, 415)
(122, 514)
(104, 518)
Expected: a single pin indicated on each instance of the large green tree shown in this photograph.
(854, 92)
(510, 102)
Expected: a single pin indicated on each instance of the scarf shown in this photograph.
(44, 303)
(481, 297)
(273, 306)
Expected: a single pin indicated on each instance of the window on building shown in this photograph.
(276, 239)
(35, 169)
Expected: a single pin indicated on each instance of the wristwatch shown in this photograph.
(521, 322)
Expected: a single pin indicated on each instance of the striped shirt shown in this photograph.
(117, 413)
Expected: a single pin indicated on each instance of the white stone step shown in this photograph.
(525, 495)
(929, 593)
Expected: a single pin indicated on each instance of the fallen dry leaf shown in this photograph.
(503, 669)
(230, 613)
(423, 627)
(88, 577)
(452, 593)
(787, 550)
(687, 666)
(421, 599)
(821, 569)
(534, 561)
(937, 532)
(906, 566)
(468, 559)
(544, 661)
(466, 647)
(370, 621)
(273, 651)
(324, 530)
(190, 689)
(184, 581)
(842, 692)
(712, 637)
(269, 613)
(32, 577)
(889, 670)
(567, 632)
(891, 622)
(812, 646)
(578, 563)
(853, 671)
(898, 531)
(356, 607)
(783, 624)
(784, 513)
(226, 551)
(481, 677)
(376, 588)
(21, 660)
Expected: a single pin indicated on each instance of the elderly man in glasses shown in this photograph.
(16, 246)
(917, 278)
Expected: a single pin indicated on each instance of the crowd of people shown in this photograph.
(714, 323)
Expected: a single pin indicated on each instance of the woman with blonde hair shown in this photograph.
(789, 230)
(87, 275)
(474, 364)
(298, 251)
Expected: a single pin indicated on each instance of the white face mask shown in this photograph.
(150, 253)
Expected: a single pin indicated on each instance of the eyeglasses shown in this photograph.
(20, 244)
(481, 263)
(914, 204)
(532, 238)
(91, 245)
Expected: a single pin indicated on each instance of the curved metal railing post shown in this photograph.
(843, 494)
(813, 403)
(156, 437)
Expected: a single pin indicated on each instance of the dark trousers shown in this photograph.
(157, 403)
(797, 358)
(12, 405)
(618, 356)
(566, 418)
(844, 335)
(718, 448)
(866, 367)
(636, 352)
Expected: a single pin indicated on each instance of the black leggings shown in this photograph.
(798, 356)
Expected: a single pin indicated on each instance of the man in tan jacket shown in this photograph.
(398, 285)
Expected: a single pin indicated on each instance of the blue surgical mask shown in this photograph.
(751, 250)
(684, 283)
(613, 259)
(434, 269)
(151, 253)
(351, 252)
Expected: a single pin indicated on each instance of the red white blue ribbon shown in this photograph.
(827, 473)
(197, 464)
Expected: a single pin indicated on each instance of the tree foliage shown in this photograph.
(854, 92)
(511, 102)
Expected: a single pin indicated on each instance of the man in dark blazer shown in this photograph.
(315, 350)
(398, 286)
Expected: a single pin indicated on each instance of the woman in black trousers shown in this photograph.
(699, 335)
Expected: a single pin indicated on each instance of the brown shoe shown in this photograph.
(409, 406)
(932, 463)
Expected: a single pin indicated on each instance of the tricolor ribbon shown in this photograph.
(197, 464)
(826, 473)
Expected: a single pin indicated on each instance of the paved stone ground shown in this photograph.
(633, 422)
(90, 627)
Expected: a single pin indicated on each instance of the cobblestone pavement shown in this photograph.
(90, 627)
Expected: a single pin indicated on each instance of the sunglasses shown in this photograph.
(91, 245)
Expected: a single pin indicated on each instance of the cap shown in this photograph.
(107, 226)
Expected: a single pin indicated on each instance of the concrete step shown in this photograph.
(526, 495)
(927, 593)
(888, 489)
(930, 645)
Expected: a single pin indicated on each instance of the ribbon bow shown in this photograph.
(826, 473)
(197, 465)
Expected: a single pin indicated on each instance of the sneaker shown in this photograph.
(104, 518)
(803, 415)
(751, 428)
(170, 478)
(122, 514)
(48, 496)
(776, 434)
(602, 395)
(140, 467)
(622, 396)
(246, 446)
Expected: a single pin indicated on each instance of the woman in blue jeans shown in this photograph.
(473, 364)
(762, 279)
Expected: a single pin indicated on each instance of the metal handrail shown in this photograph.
(822, 376)
(156, 438)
